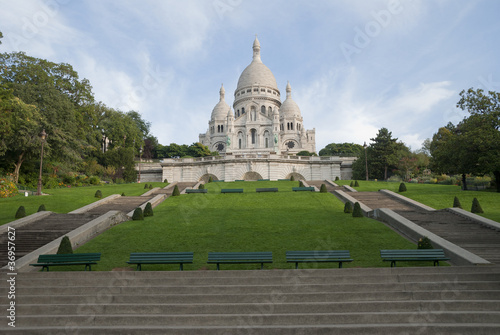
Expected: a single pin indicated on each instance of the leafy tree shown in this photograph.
(342, 149)
(306, 153)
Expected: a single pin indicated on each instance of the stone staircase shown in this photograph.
(329, 187)
(430, 300)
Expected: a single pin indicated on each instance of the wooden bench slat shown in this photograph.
(309, 256)
(240, 258)
(310, 189)
(231, 190)
(266, 189)
(191, 190)
(412, 255)
(180, 258)
(86, 259)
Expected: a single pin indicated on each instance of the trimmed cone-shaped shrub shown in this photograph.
(146, 186)
(323, 189)
(402, 187)
(41, 208)
(21, 212)
(65, 246)
(292, 178)
(337, 178)
(138, 215)
(148, 210)
(456, 203)
(356, 184)
(176, 191)
(351, 184)
(201, 187)
(348, 208)
(150, 186)
(98, 194)
(476, 207)
(123, 194)
(165, 180)
(424, 243)
(301, 184)
(209, 179)
(356, 212)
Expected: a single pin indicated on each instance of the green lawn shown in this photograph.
(250, 221)
(64, 200)
(438, 196)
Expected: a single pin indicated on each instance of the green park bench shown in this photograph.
(231, 190)
(193, 190)
(263, 179)
(313, 256)
(266, 189)
(283, 179)
(218, 181)
(240, 180)
(240, 258)
(413, 255)
(298, 189)
(87, 259)
(180, 258)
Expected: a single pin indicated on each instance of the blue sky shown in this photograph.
(354, 66)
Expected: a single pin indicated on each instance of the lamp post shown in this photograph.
(366, 161)
(43, 136)
(140, 160)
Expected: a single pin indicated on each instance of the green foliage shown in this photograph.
(356, 184)
(292, 178)
(356, 212)
(402, 187)
(201, 186)
(146, 186)
(94, 180)
(323, 189)
(123, 194)
(301, 184)
(138, 215)
(348, 207)
(148, 210)
(98, 194)
(306, 153)
(7, 188)
(65, 246)
(21, 212)
(351, 184)
(342, 149)
(476, 207)
(41, 208)
(150, 186)
(176, 191)
(209, 179)
(456, 202)
(424, 243)
(165, 181)
(337, 178)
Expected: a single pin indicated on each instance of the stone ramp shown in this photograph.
(432, 300)
(329, 187)
(123, 204)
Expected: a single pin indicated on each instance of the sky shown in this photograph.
(354, 66)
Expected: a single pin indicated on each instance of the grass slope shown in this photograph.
(438, 196)
(250, 221)
(64, 200)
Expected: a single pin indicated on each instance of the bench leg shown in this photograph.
(393, 264)
(181, 267)
(139, 268)
(45, 267)
(261, 266)
(340, 265)
(217, 266)
(296, 265)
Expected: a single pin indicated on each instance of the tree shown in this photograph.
(306, 153)
(342, 149)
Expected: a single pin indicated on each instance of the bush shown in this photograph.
(348, 207)
(138, 215)
(424, 243)
(337, 178)
(456, 203)
(301, 184)
(21, 212)
(292, 178)
(201, 187)
(209, 180)
(65, 246)
(165, 180)
(7, 188)
(402, 187)
(323, 189)
(356, 184)
(476, 207)
(69, 179)
(94, 180)
(351, 184)
(146, 186)
(51, 183)
(148, 210)
(150, 186)
(176, 191)
(41, 208)
(123, 194)
(98, 194)
(356, 212)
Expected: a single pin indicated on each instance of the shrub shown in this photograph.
(292, 178)
(348, 207)
(98, 194)
(201, 187)
(301, 184)
(176, 191)
(209, 180)
(7, 188)
(150, 186)
(456, 203)
(356, 212)
(402, 187)
(65, 246)
(94, 180)
(123, 194)
(476, 207)
(351, 184)
(337, 178)
(146, 186)
(323, 189)
(165, 180)
(69, 179)
(41, 208)
(119, 181)
(138, 215)
(21, 212)
(51, 183)
(356, 184)
(424, 243)
(148, 210)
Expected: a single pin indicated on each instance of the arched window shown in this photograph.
(288, 125)
(238, 113)
(291, 125)
(267, 142)
(239, 143)
(254, 135)
(263, 110)
(253, 114)
(222, 128)
(242, 110)
(269, 111)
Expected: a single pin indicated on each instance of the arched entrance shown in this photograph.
(207, 176)
(252, 176)
(296, 176)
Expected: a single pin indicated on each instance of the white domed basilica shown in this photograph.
(258, 122)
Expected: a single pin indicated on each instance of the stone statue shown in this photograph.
(228, 141)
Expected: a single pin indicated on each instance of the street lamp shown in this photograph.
(140, 160)
(43, 136)
(366, 161)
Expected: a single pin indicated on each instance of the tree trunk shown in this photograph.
(497, 179)
(385, 172)
(464, 182)
(20, 161)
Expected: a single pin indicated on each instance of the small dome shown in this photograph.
(220, 110)
(289, 107)
(256, 72)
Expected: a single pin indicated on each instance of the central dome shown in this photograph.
(256, 73)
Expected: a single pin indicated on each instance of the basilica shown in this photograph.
(258, 122)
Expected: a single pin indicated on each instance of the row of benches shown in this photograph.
(258, 190)
(181, 258)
